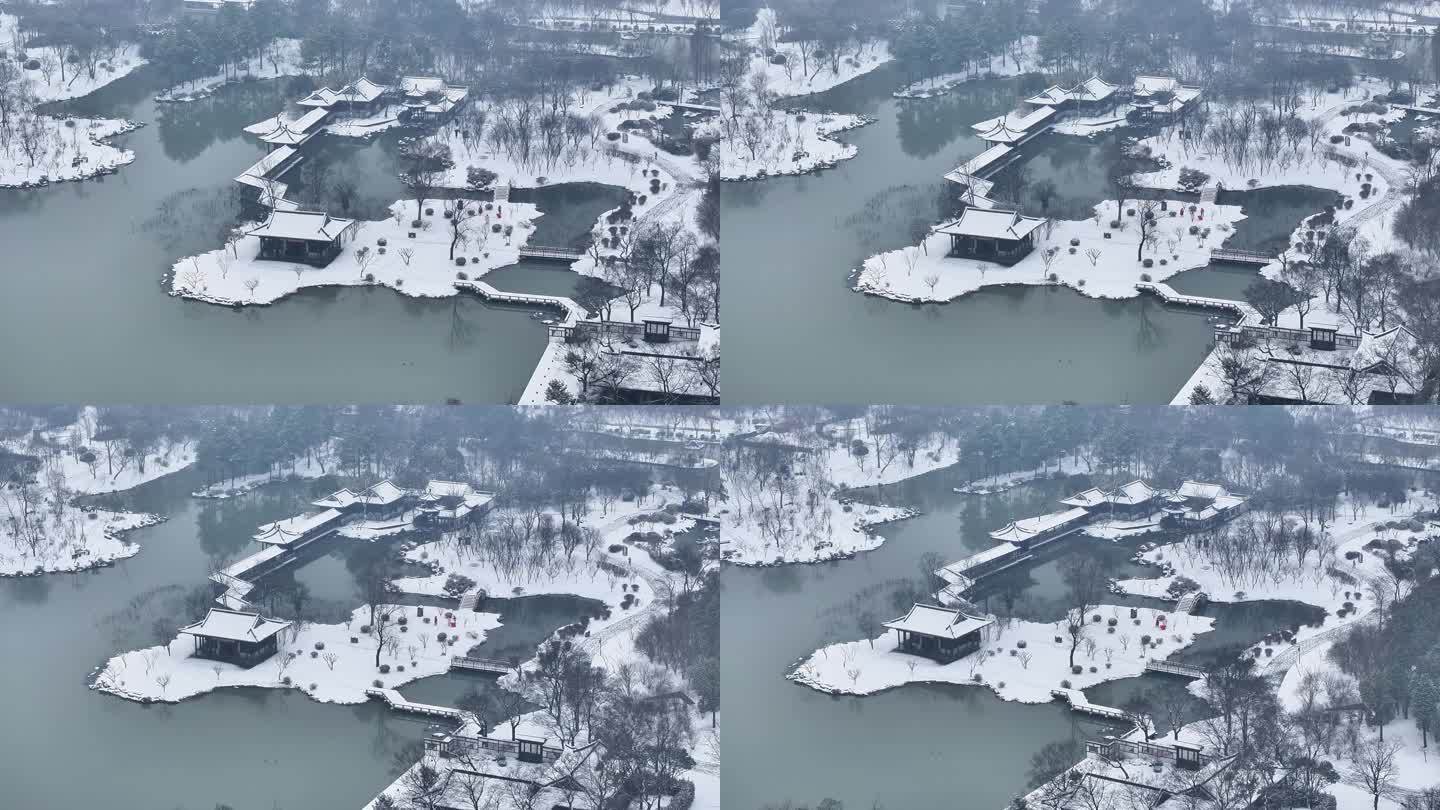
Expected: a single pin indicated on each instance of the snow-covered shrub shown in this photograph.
(378, 684)
(1143, 277)
(384, 669)
(1076, 670)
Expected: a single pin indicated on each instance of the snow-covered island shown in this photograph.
(43, 527)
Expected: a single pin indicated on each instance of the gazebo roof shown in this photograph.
(361, 90)
(929, 620)
(992, 223)
(1025, 529)
(310, 226)
(234, 625)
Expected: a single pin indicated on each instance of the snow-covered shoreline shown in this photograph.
(1003, 662)
(815, 129)
(425, 271)
(81, 159)
(1078, 253)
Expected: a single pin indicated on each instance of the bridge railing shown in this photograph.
(627, 331)
(1111, 749)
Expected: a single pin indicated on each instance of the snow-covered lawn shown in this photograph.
(89, 466)
(65, 538)
(792, 78)
(281, 57)
(789, 143)
(1311, 583)
(1112, 272)
(831, 531)
(63, 149)
(171, 673)
(419, 267)
(77, 80)
(1025, 674)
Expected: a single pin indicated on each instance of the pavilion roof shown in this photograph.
(1025, 529)
(1012, 126)
(235, 625)
(362, 90)
(929, 620)
(959, 567)
(1092, 89)
(992, 223)
(323, 97)
(310, 226)
(284, 532)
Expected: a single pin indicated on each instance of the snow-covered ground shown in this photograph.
(62, 149)
(792, 78)
(76, 80)
(1026, 674)
(1026, 59)
(170, 673)
(1310, 583)
(43, 531)
(419, 266)
(281, 57)
(833, 530)
(789, 142)
(1079, 256)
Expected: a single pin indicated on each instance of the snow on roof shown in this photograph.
(1012, 126)
(1225, 502)
(362, 90)
(929, 620)
(1093, 496)
(255, 175)
(1395, 349)
(992, 224)
(323, 97)
(1132, 494)
(1092, 89)
(421, 85)
(1198, 489)
(1026, 528)
(283, 532)
(381, 494)
(311, 226)
(338, 499)
(978, 558)
(288, 132)
(448, 489)
(980, 161)
(1150, 85)
(235, 625)
(1053, 94)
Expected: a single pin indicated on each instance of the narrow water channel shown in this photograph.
(252, 749)
(917, 745)
(84, 263)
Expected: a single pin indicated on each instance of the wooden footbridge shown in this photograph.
(495, 666)
(1080, 703)
(551, 254)
(397, 701)
(1234, 256)
(1172, 668)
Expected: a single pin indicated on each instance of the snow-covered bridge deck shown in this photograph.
(398, 702)
(1173, 668)
(473, 664)
(1082, 704)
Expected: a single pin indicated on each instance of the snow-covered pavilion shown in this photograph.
(992, 234)
(449, 503)
(430, 98)
(312, 237)
(1014, 128)
(235, 637)
(1041, 529)
(941, 634)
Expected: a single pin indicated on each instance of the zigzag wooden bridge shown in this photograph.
(398, 702)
